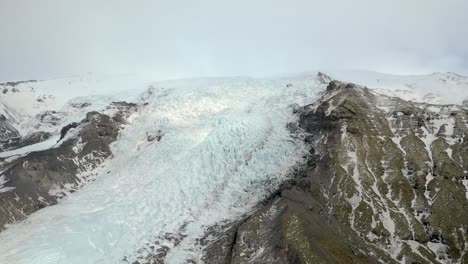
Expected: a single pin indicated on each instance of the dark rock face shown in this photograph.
(34, 138)
(465, 103)
(384, 184)
(8, 134)
(324, 78)
(41, 178)
(27, 140)
(67, 128)
(293, 228)
(50, 117)
(122, 109)
(80, 105)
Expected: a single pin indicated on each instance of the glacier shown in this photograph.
(47, 144)
(224, 147)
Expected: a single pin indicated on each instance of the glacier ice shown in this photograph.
(47, 144)
(224, 146)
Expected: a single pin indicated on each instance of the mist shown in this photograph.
(178, 39)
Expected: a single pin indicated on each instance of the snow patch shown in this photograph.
(47, 144)
(439, 249)
(3, 188)
(449, 152)
(465, 183)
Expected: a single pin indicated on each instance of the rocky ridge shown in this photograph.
(39, 179)
(386, 182)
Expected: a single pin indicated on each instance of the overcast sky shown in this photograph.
(175, 38)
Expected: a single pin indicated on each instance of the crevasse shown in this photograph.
(224, 146)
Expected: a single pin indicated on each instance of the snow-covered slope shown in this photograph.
(47, 105)
(223, 146)
(196, 153)
(46, 144)
(435, 88)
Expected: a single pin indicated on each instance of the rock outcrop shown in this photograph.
(386, 182)
(8, 133)
(38, 179)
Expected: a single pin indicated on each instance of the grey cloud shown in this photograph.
(50, 38)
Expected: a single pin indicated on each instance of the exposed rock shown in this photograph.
(41, 178)
(324, 78)
(27, 140)
(334, 85)
(49, 118)
(80, 105)
(465, 103)
(296, 108)
(8, 133)
(221, 250)
(67, 128)
(384, 183)
(13, 84)
(154, 136)
(121, 111)
(34, 138)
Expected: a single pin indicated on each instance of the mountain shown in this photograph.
(435, 88)
(298, 169)
(385, 181)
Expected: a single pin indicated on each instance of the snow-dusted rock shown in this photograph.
(36, 178)
(385, 182)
